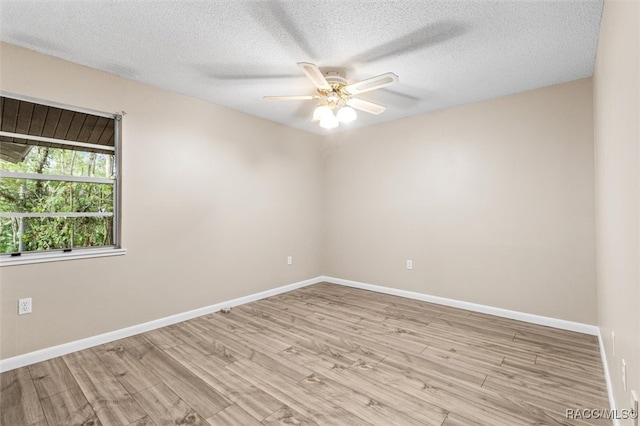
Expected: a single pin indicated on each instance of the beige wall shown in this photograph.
(213, 202)
(493, 202)
(617, 141)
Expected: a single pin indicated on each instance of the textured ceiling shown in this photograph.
(234, 52)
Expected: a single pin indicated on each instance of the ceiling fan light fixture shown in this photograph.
(334, 93)
(346, 114)
(321, 112)
(329, 121)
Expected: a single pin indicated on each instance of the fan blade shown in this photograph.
(315, 75)
(372, 83)
(292, 98)
(366, 106)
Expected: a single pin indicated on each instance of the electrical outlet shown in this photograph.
(409, 264)
(634, 407)
(624, 375)
(613, 343)
(289, 260)
(24, 306)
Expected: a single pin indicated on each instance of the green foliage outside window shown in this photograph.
(20, 234)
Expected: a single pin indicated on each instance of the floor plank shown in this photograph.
(205, 400)
(108, 398)
(20, 403)
(245, 395)
(52, 377)
(69, 408)
(287, 416)
(164, 407)
(233, 415)
(316, 408)
(358, 402)
(126, 368)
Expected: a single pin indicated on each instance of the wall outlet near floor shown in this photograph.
(409, 264)
(24, 306)
(289, 260)
(624, 374)
(613, 343)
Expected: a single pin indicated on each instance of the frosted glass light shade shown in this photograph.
(347, 114)
(329, 121)
(320, 112)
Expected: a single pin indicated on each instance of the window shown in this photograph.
(59, 184)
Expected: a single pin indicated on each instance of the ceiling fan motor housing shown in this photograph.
(337, 95)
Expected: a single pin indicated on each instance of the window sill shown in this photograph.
(26, 259)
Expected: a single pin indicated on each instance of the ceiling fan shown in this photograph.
(335, 93)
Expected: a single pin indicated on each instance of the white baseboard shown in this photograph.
(607, 378)
(499, 312)
(66, 348)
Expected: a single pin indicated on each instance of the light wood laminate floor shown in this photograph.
(323, 354)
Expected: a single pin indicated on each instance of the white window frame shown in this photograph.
(7, 259)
